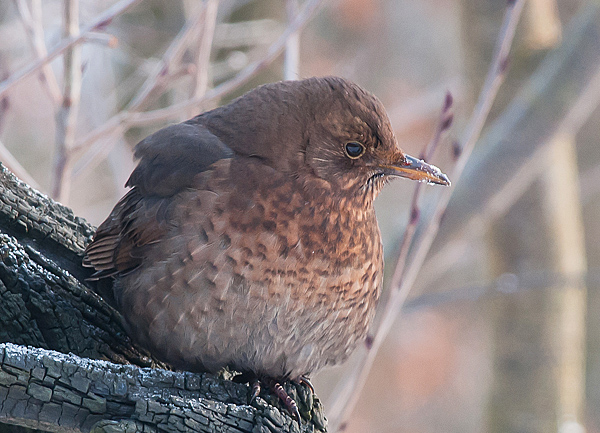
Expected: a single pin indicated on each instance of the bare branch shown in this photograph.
(126, 119)
(503, 199)
(291, 61)
(13, 165)
(104, 19)
(444, 121)
(200, 79)
(156, 82)
(32, 21)
(403, 279)
(487, 96)
(102, 139)
(310, 7)
(66, 119)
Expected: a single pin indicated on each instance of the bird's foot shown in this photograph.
(277, 389)
(288, 402)
(255, 383)
(304, 380)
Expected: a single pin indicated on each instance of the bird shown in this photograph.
(248, 238)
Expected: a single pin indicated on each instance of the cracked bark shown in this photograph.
(105, 383)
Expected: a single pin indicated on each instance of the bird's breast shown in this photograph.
(260, 276)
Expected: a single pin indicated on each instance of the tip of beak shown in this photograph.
(442, 179)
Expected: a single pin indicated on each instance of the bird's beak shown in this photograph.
(416, 169)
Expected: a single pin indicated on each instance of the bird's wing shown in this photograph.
(169, 162)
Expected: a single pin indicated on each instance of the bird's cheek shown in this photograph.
(322, 167)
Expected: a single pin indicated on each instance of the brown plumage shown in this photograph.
(248, 238)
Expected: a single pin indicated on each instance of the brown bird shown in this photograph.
(249, 239)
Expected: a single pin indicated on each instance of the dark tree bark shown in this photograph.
(47, 310)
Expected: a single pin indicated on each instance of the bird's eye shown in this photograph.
(354, 149)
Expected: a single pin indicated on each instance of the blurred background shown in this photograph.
(500, 332)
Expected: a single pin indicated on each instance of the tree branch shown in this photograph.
(66, 118)
(32, 21)
(102, 20)
(126, 119)
(60, 393)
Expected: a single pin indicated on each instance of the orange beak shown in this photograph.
(416, 169)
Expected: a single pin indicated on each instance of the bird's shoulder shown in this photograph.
(171, 161)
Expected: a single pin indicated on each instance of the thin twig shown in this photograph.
(126, 119)
(104, 138)
(66, 119)
(494, 79)
(9, 161)
(98, 143)
(443, 124)
(503, 199)
(259, 32)
(291, 60)
(200, 79)
(402, 281)
(310, 7)
(158, 79)
(100, 149)
(109, 40)
(103, 20)
(32, 21)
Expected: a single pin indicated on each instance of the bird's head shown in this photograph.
(351, 143)
(325, 129)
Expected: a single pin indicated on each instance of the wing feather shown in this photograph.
(169, 162)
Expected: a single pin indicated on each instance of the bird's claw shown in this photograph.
(304, 380)
(255, 389)
(289, 402)
(275, 387)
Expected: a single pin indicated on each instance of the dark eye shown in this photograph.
(354, 149)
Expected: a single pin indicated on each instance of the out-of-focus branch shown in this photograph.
(200, 78)
(13, 165)
(32, 21)
(66, 119)
(543, 22)
(403, 279)
(530, 166)
(159, 78)
(103, 138)
(126, 119)
(443, 124)
(308, 10)
(292, 47)
(563, 213)
(102, 21)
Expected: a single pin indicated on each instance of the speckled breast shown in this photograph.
(265, 277)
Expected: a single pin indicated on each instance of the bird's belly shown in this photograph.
(275, 327)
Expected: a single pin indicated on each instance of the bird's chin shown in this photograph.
(375, 184)
(376, 178)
